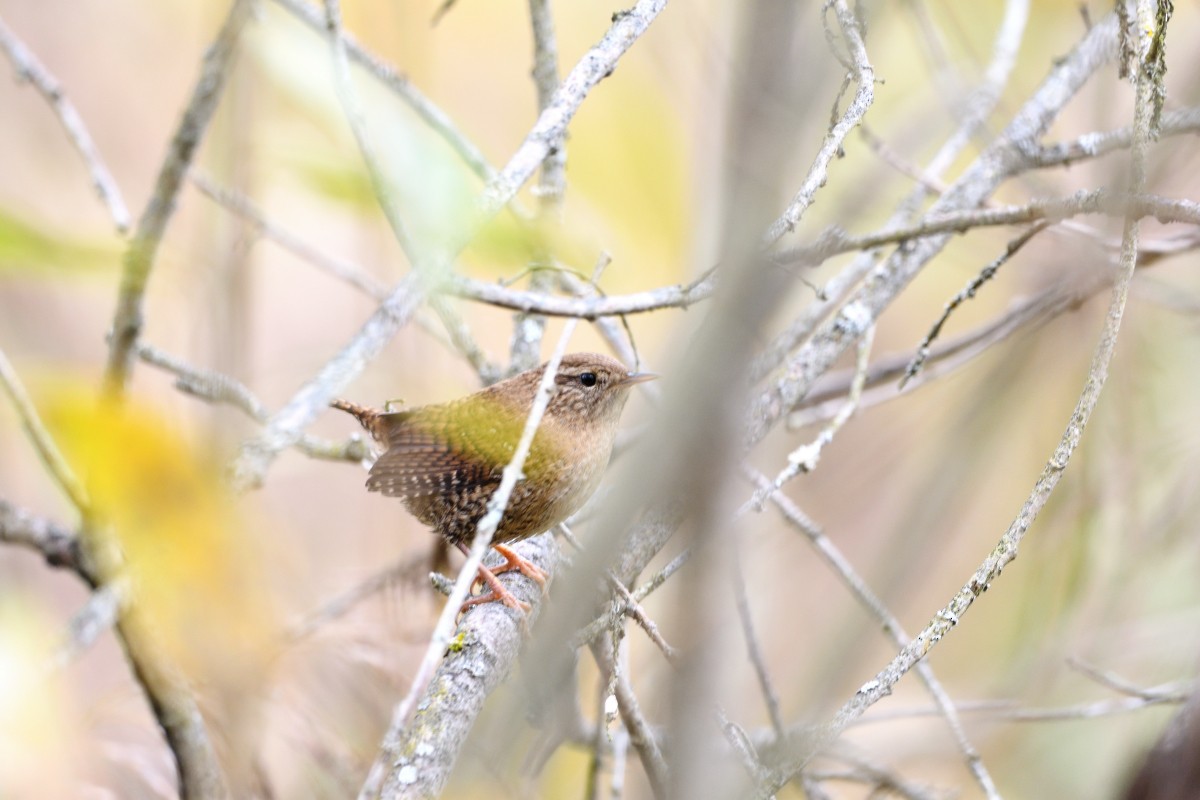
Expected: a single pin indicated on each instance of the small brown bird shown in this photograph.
(445, 461)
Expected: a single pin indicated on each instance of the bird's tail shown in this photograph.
(367, 417)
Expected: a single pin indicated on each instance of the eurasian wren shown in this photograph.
(445, 461)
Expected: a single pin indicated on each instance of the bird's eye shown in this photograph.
(587, 378)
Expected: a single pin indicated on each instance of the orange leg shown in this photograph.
(523, 565)
(498, 592)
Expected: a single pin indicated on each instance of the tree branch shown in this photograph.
(143, 247)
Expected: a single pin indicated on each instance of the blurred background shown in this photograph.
(915, 491)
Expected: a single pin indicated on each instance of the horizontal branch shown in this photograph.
(589, 308)
(216, 387)
(1094, 145)
(1056, 209)
(58, 545)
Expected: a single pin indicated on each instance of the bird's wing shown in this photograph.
(438, 450)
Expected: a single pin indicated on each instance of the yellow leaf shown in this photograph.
(197, 580)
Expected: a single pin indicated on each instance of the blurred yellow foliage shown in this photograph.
(197, 581)
(29, 248)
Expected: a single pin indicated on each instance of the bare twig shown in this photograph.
(589, 308)
(985, 275)
(640, 734)
(1143, 697)
(58, 545)
(753, 648)
(42, 442)
(826, 398)
(885, 782)
(875, 606)
(1117, 683)
(98, 615)
(215, 387)
(1006, 549)
(627, 607)
(1004, 52)
(864, 75)
(143, 247)
(528, 329)
(806, 457)
(29, 68)
(341, 604)
(460, 338)
(357, 119)
(937, 225)
(426, 109)
(1094, 145)
(863, 305)
(339, 268)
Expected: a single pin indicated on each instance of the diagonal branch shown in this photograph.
(1147, 84)
(864, 305)
(143, 247)
(287, 424)
(29, 68)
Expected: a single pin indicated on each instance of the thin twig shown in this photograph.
(629, 607)
(1145, 697)
(426, 109)
(528, 329)
(342, 603)
(753, 647)
(806, 457)
(1006, 549)
(460, 338)
(1053, 209)
(29, 68)
(885, 782)
(864, 75)
(1114, 681)
(1097, 144)
(875, 606)
(357, 119)
(58, 545)
(98, 615)
(640, 734)
(589, 308)
(216, 387)
(143, 247)
(46, 448)
(248, 212)
(1004, 52)
(967, 293)
(826, 398)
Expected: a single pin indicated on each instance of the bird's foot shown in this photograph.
(497, 593)
(513, 561)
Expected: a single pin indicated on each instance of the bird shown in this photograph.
(445, 461)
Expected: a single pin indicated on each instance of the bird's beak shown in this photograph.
(637, 377)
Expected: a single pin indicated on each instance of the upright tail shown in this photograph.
(367, 417)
